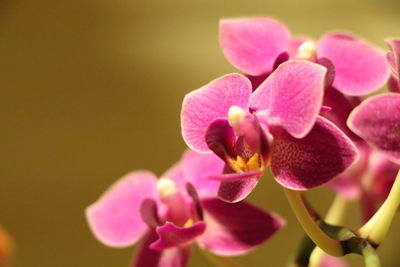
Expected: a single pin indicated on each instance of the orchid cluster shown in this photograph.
(301, 108)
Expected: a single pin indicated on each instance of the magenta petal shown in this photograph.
(291, 96)
(115, 218)
(149, 212)
(174, 257)
(377, 121)
(202, 106)
(252, 44)
(197, 167)
(359, 67)
(221, 138)
(236, 228)
(237, 189)
(305, 163)
(171, 235)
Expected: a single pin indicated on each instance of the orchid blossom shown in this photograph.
(256, 45)
(170, 213)
(377, 121)
(369, 179)
(297, 108)
(278, 123)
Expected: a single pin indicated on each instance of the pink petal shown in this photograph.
(115, 218)
(236, 228)
(359, 67)
(202, 106)
(291, 96)
(252, 44)
(196, 169)
(377, 121)
(305, 163)
(174, 257)
(170, 235)
(238, 189)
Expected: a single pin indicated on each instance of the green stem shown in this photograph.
(376, 228)
(370, 257)
(334, 216)
(326, 243)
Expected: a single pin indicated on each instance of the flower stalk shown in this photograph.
(307, 221)
(334, 216)
(376, 228)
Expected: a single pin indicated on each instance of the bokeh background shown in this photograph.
(92, 89)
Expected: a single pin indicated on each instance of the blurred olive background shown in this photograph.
(91, 90)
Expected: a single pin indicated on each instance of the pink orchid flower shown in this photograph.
(170, 213)
(393, 57)
(278, 123)
(375, 123)
(256, 45)
(369, 179)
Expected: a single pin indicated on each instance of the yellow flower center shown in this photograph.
(242, 165)
(188, 223)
